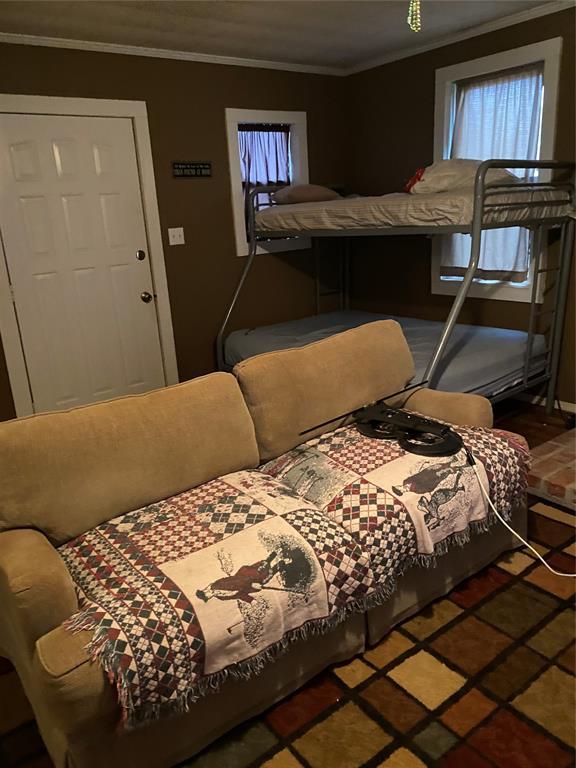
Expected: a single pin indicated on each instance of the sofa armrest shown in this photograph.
(454, 407)
(36, 591)
(69, 686)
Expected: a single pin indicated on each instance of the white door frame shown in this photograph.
(9, 330)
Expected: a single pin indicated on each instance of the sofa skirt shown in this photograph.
(420, 586)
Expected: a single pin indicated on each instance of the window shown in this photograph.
(496, 116)
(264, 147)
(264, 157)
(497, 107)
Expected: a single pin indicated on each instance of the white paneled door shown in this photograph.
(73, 231)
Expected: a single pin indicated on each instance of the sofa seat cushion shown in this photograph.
(210, 583)
(400, 507)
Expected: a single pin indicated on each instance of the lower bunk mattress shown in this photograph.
(478, 359)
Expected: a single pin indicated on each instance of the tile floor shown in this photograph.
(553, 473)
(483, 678)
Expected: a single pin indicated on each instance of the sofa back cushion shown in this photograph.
(66, 472)
(291, 390)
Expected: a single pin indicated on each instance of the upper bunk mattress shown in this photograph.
(478, 359)
(439, 209)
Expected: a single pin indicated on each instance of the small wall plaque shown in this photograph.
(191, 170)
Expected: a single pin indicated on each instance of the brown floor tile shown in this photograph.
(471, 644)
(395, 706)
(515, 562)
(431, 619)
(513, 673)
(402, 758)
(567, 659)
(560, 586)
(548, 532)
(555, 636)
(540, 548)
(510, 743)
(517, 609)
(388, 649)
(238, 748)
(468, 711)
(561, 516)
(303, 706)
(354, 673)
(346, 739)
(435, 740)
(283, 759)
(550, 701)
(464, 756)
(562, 561)
(427, 679)
(478, 587)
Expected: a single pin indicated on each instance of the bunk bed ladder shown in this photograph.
(559, 312)
(534, 314)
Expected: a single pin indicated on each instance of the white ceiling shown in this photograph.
(341, 35)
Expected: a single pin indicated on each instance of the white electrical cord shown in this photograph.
(499, 516)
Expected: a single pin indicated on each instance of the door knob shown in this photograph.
(146, 297)
(140, 255)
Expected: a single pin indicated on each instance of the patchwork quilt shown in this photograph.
(398, 505)
(220, 579)
(214, 581)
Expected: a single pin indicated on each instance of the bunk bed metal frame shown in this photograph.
(485, 202)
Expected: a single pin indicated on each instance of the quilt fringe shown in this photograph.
(101, 647)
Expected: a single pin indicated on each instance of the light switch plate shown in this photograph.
(176, 235)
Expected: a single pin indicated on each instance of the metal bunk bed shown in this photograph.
(515, 210)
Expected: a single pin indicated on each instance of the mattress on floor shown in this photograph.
(439, 209)
(478, 359)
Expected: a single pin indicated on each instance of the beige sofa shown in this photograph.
(64, 473)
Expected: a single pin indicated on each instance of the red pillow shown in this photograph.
(414, 180)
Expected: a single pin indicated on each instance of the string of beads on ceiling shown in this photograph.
(414, 20)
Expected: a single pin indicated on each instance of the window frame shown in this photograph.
(299, 155)
(547, 51)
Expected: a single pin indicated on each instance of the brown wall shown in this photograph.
(370, 131)
(391, 133)
(186, 103)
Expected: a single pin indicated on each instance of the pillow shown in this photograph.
(446, 175)
(304, 193)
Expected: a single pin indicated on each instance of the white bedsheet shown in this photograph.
(404, 210)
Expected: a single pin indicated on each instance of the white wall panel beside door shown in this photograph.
(71, 220)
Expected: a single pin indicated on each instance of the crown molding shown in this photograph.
(552, 6)
(164, 53)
